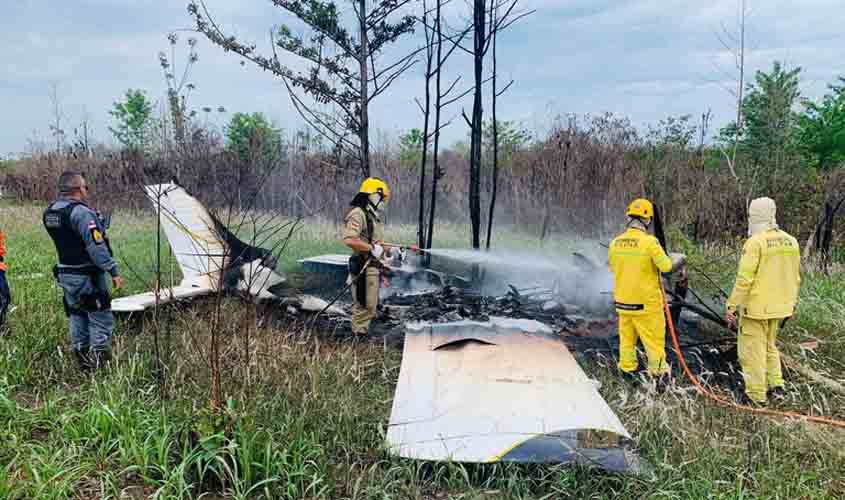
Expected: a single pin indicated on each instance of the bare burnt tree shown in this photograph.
(57, 126)
(479, 19)
(426, 109)
(483, 29)
(81, 145)
(436, 171)
(343, 69)
(735, 43)
(435, 61)
(821, 239)
(496, 94)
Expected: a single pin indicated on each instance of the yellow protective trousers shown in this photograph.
(362, 316)
(651, 330)
(759, 356)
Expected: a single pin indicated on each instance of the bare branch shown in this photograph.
(505, 89)
(463, 94)
(451, 87)
(390, 79)
(419, 105)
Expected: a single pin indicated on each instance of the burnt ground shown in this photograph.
(590, 338)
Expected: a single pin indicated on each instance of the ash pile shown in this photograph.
(450, 303)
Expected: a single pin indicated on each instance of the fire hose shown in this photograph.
(710, 395)
(412, 248)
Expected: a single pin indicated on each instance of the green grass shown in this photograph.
(306, 418)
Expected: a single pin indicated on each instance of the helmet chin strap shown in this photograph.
(378, 204)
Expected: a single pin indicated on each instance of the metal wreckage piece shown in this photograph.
(501, 390)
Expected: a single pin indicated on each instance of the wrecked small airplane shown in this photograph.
(207, 252)
(498, 389)
(210, 256)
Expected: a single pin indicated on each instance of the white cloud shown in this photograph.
(640, 58)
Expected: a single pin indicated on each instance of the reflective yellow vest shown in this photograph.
(636, 261)
(768, 278)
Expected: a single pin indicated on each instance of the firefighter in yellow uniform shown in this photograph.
(362, 232)
(636, 260)
(5, 295)
(765, 293)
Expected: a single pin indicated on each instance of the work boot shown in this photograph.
(778, 392)
(632, 378)
(747, 401)
(83, 361)
(661, 382)
(100, 359)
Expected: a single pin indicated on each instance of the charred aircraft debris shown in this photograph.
(489, 370)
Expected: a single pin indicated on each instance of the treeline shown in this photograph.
(576, 178)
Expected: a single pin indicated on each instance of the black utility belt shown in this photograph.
(358, 260)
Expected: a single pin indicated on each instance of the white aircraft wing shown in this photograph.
(142, 301)
(505, 390)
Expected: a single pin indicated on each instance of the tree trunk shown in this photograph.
(495, 150)
(364, 126)
(658, 228)
(824, 232)
(477, 120)
(435, 170)
(427, 113)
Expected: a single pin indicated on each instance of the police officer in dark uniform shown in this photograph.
(85, 258)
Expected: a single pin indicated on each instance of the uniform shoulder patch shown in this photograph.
(354, 219)
(96, 234)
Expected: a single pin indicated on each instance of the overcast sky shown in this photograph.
(644, 59)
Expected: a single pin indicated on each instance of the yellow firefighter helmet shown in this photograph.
(640, 208)
(372, 185)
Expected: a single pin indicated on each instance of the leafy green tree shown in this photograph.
(343, 58)
(133, 120)
(410, 147)
(248, 134)
(511, 138)
(821, 129)
(767, 136)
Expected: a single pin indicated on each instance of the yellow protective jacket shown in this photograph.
(768, 278)
(636, 261)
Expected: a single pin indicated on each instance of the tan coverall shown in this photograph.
(355, 226)
(766, 291)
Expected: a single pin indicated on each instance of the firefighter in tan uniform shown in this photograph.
(636, 260)
(765, 293)
(362, 232)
